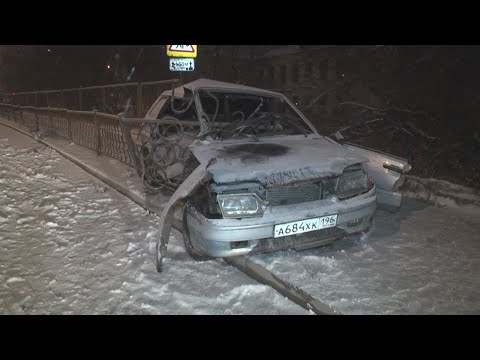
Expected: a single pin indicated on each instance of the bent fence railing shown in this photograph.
(117, 137)
(64, 114)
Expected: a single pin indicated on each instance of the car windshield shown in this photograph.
(234, 114)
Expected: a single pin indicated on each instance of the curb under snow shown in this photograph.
(440, 192)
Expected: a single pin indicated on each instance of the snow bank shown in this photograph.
(440, 192)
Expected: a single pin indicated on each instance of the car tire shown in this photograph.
(195, 254)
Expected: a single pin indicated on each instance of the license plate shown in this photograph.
(303, 226)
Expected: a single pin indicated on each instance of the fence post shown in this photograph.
(139, 99)
(36, 120)
(36, 100)
(96, 120)
(69, 124)
(131, 146)
(49, 118)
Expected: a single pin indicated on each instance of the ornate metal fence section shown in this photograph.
(28, 117)
(96, 131)
(59, 121)
(90, 116)
(83, 128)
(113, 142)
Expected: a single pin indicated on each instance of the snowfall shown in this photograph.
(71, 245)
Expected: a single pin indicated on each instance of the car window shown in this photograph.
(185, 109)
(251, 113)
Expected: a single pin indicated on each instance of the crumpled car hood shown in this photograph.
(274, 161)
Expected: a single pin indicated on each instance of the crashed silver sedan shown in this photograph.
(252, 174)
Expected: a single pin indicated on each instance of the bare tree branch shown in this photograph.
(363, 105)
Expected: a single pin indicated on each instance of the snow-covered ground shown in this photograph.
(421, 260)
(70, 245)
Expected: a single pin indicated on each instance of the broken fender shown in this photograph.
(197, 178)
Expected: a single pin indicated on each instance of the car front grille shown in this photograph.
(323, 189)
(294, 194)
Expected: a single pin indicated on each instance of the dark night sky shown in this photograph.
(42, 67)
(438, 78)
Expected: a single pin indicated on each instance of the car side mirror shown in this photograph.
(395, 168)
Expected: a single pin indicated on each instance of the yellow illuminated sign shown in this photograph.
(188, 51)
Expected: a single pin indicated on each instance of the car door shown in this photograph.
(388, 173)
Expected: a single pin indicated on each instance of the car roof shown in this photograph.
(205, 84)
(221, 85)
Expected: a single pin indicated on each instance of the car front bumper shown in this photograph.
(233, 237)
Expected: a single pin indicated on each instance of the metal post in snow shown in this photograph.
(49, 118)
(36, 120)
(69, 124)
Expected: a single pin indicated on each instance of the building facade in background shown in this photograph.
(316, 77)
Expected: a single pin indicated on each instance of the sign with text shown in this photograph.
(185, 51)
(182, 64)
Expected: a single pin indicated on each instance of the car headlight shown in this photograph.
(241, 205)
(353, 183)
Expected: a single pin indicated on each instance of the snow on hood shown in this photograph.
(275, 160)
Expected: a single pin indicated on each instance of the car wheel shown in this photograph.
(195, 254)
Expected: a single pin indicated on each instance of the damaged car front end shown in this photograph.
(262, 200)
(273, 182)
(275, 227)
